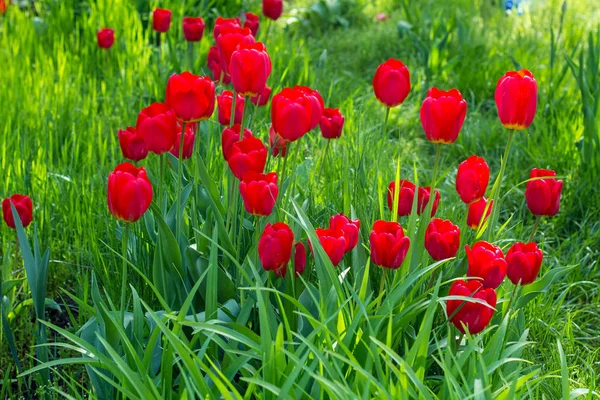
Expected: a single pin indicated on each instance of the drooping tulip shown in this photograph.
(262, 98)
(188, 142)
(191, 97)
(275, 247)
(24, 207)
(157, 127)
(333, 242)
(230, 136)
(523, 263)
(442, 239)
(250, 67)
(442, 115)
(259, 192)
(277, 144)
(350, 228)
(161, 20)
(331, 124)
(516, 99)
(475, 212)
(193, 28)
(129, 192)
(228, 41)
(250, 154)
(463, 313)
(106, 38)
(272, 9)
(472, 179)
(132, 144)
(543, 195)
(224, 105)
(213, 62)
(391, 83)
(388, 244)
(291, 114)
(486, 261)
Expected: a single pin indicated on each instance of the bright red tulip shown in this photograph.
(213, 62)
(543, 195)
(132, 144)
(224, 23)
(442, 115)
(350, 228)
(486, 261)
(407, 195)
(263, 98)
(252, 23)
(272, 9)
(129, 192)
(291, 114)
(475, 212)
(193, 29)
(331, 124)
(224, 105)
(188, 142)
(389, 246)
(250, 67)
(228, 41)
(275, 247)
(106, 38)
(4, 5)
(161, 20)
(277, 144)
(250, 154)
(334, 243)
(316, 102)
(442, 239)
(391, 83)
(259, 192)
(516, 99)
(463, 313)
(230, 136)
(472, 179)
(191, 97)
(299, 258)
(24, 208)
(523, 263)
(157, 127)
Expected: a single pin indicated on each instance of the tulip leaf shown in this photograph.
(541, 285)
(171, 255)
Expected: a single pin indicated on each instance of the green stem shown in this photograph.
(512, 296)
(232, 118)
(125, 239)
(161, 182)
(497, 187)
(323, 161)
(385, 122)
(438, 152)
(382, 286)
(179, 183)
(535, 227)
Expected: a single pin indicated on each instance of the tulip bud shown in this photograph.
(132, 144)
(331, 124)
(523, 263)
(193, 29)
(543, 195)
(224, 105)
(391, 83)
(475, 213)
(516, 99)
(472, 179)
(106, 38)
(259, 192)
(442, 115)
(191, 97)
(470, 315)
(272, 9)
(129, 192)
(442, 239)
(161, 20)
(188, 142)
(389, 246)
(275, 247)
(24, 208)
(299, 258)
(487, 262)
(252, 22)
(157, 127)
(263, 98)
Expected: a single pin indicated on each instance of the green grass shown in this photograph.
(63, 100)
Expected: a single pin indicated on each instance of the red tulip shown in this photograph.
(193, 29)
(299, 258)
(157, 127)
(407, 195)
(475, 213)
(4, 5)
(106, 38)
(259, 192)
(230, 136)
(272, 9)
(228, 41)
(188, 142)
(224, 23)
(334, 243)
(486, 261)
(391, 83)
(316, 102)
(388, 244)
(350, 228)
(474, 316)
(331, 124)
(442, 115)
(442, 239)
(250, 67)
(277, 144)
(291, 114)
(24, 208)
(161, 20)
(523, 263)
(543, 195)
(516, 99)
(224, 105)
(129, 192)
(252, 23)
(262, 98)
(472, 179)
(250, 154)
(191, 97)
(132, 144)
(213, 61)
(275, 247)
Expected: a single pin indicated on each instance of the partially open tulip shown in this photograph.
(106, 38)
(252, 22)
(463, 313)
(224, 105)
(523, 263)
(543, 195)
(316, 102)
(224, 23)
(291, 114)
(161, 20)
(272, 9)
(129, 192)
(259, 192)
(213, 62)
(407, 195)
(228, 41)
(250, 154)
(250, 67)
(157, 127)
(333, 242)
(193, 29)
(277, 144)
(191, 97)
(331, 124)
(486, 261)
(391, 83)
(230, 136)
(132, 144)
(472, 179)
(24, 208)
(350, 228)
(475, 212)
(442, 115)
(516, 99)
(188, 142)
(388, 244)
(275, 247)
(442, 239)
(262, 98)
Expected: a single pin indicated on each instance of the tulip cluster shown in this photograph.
(275, 250)
(340, 238)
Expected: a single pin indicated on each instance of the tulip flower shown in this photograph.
(331, 124)
(252, 22)
(275, 247)
(407, 195)
(516, 99)
(250, 67)
(259, 192)
(388, 244)
(129, 192)
(486, 261)
(334, 243)
(262, 98)
(4, 5)
(316, 102)
(472, 179)
(277, 144)
(157, 127)
(523, 263)
(191, 97)
(442, 115)
(543, 195)
(193, 29)
(272, 9)
(470, 315)
(249, 154)
(349, 227)
(213, 62)
(475, 212)
(291, 114)
(132, 144)
(188, 142)
(224, 23)
(230, 136)
(442, 239)
(24, 208)
(224, 105)
(391, 83)
(106, 38)
(299, 258)
(228, 41)
(161, 20)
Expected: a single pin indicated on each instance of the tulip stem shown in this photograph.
(160, 183)
(385, 122)
(179, 183)
(496, 189)
(438, 153)
(382, 285)
(125, 245)
(232, 118)
(323, 160)
(535, 227)
(512, 296)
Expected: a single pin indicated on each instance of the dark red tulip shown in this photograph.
(259, 192)
(24, 208)
(275, 247)
(299, 258)
(316, 102)
(224, 105)
(523, 263)
(230, 136)
(543, 195)
(291, 114)
(475, 213)
(250, 67)
(277, 144)
(157, 127)
(132, 144)
(224, 23)
(252, 22)
(389, 246)
(442, 239)
(486, 261)
(463, 313)
(333, 242)
(228, 41)
(213, 62)
(262, 98)
(191, 97)
(129, 192)
(193, 29)
(442, 115)
(331, 124)
(516, 99)
(350, 228)
(407, 195)
(250, 154)
(106, 38)
(161, 20)
(472, 179)
(188, 142)
(272, 9)
(391, 83)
